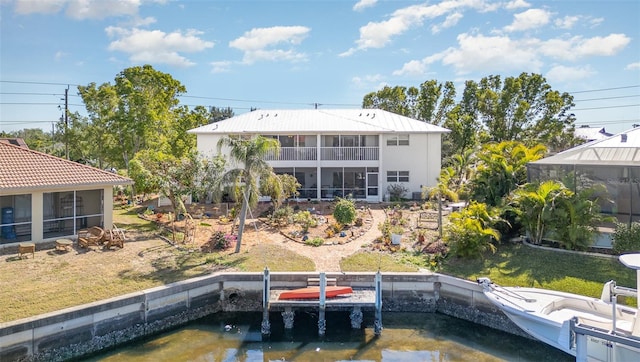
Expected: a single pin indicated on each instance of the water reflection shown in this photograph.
(406, 337)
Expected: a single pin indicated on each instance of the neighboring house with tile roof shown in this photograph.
(339, 152)
(43, 197)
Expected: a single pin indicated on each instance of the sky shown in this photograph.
(316, 53)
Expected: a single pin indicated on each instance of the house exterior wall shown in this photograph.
(37, 210)
(421, 158)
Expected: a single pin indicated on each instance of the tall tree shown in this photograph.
(435, 101)
(249, 157)
(524, 109)
(400, 100)
(137, 111)
(219, 114)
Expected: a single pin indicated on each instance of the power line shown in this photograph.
(41, 83)
(603, 98)
(606, 89)
(606, 107)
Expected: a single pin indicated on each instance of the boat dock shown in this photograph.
(357, 301)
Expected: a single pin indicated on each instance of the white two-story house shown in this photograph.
(340, 152)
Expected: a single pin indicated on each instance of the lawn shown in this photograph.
(54, 280)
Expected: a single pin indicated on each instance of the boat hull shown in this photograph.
(546, 315)
(314, 292)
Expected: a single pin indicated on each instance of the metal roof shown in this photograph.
(25, 169)
(622, 149)
(319, 121)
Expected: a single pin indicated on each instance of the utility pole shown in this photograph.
(66, 121)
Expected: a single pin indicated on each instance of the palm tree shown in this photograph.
(535, 204)
(248, 155)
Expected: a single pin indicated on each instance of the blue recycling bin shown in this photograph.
(7, 231)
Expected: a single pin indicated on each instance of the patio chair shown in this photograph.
(92, 236)
(114, 237)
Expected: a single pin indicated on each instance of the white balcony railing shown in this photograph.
(350, 153)
(294, 154)
(327, 153)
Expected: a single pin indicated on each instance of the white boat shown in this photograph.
(608, 331)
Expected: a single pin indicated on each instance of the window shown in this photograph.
(397, 176)
(398, 140)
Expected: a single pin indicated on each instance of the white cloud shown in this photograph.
(451, 20)
(80, 9)
(220, 67)
(516, 4)
(567, 22)
(257, 44)
(579, 47)
(494, 53)
(369, 81)
(363, 4)
(561, 73)
(632, 66)
(379, 34)
(530, 19)
(418, 67)
(413, 68)
(59, 55)
(24, 7)
(155, 46)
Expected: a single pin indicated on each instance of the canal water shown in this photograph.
(405, 337)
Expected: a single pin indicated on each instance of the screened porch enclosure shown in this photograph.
(67, 212)
(353, 182)
(15, 221)
(622, 183)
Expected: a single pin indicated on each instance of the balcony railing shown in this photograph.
(294, 154)
(327, 153)
(350, 153)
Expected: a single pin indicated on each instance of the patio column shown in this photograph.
(37, 217)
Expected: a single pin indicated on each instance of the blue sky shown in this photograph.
(292, 54)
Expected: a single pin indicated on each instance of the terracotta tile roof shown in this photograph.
(22, 168)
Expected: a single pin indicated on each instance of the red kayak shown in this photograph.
(314, 292)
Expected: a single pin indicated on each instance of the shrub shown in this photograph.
(470, 232)
(283, 215)
(345, 211)
(306, 220)
(221, 241)
(626, 237)
(396, 191)
(317, 241)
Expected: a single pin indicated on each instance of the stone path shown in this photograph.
(327, 257)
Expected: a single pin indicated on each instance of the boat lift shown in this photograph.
(361, 298)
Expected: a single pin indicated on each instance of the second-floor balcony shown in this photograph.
(326, 154)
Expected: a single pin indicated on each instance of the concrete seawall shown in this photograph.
(89, 328)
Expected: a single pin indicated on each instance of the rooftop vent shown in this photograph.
(623, 138)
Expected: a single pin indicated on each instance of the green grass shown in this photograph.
(374, 261)
(520, 265)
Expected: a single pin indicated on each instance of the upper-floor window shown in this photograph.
(398, 140)
(397, 176)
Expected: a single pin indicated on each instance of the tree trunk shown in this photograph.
(243, 217)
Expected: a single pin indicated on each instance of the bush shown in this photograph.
(396, 191)
(345, 211)
(317, 241)
(221, 241)
(306, 220)
(470, 232)
(283, 215)
(626, 237)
